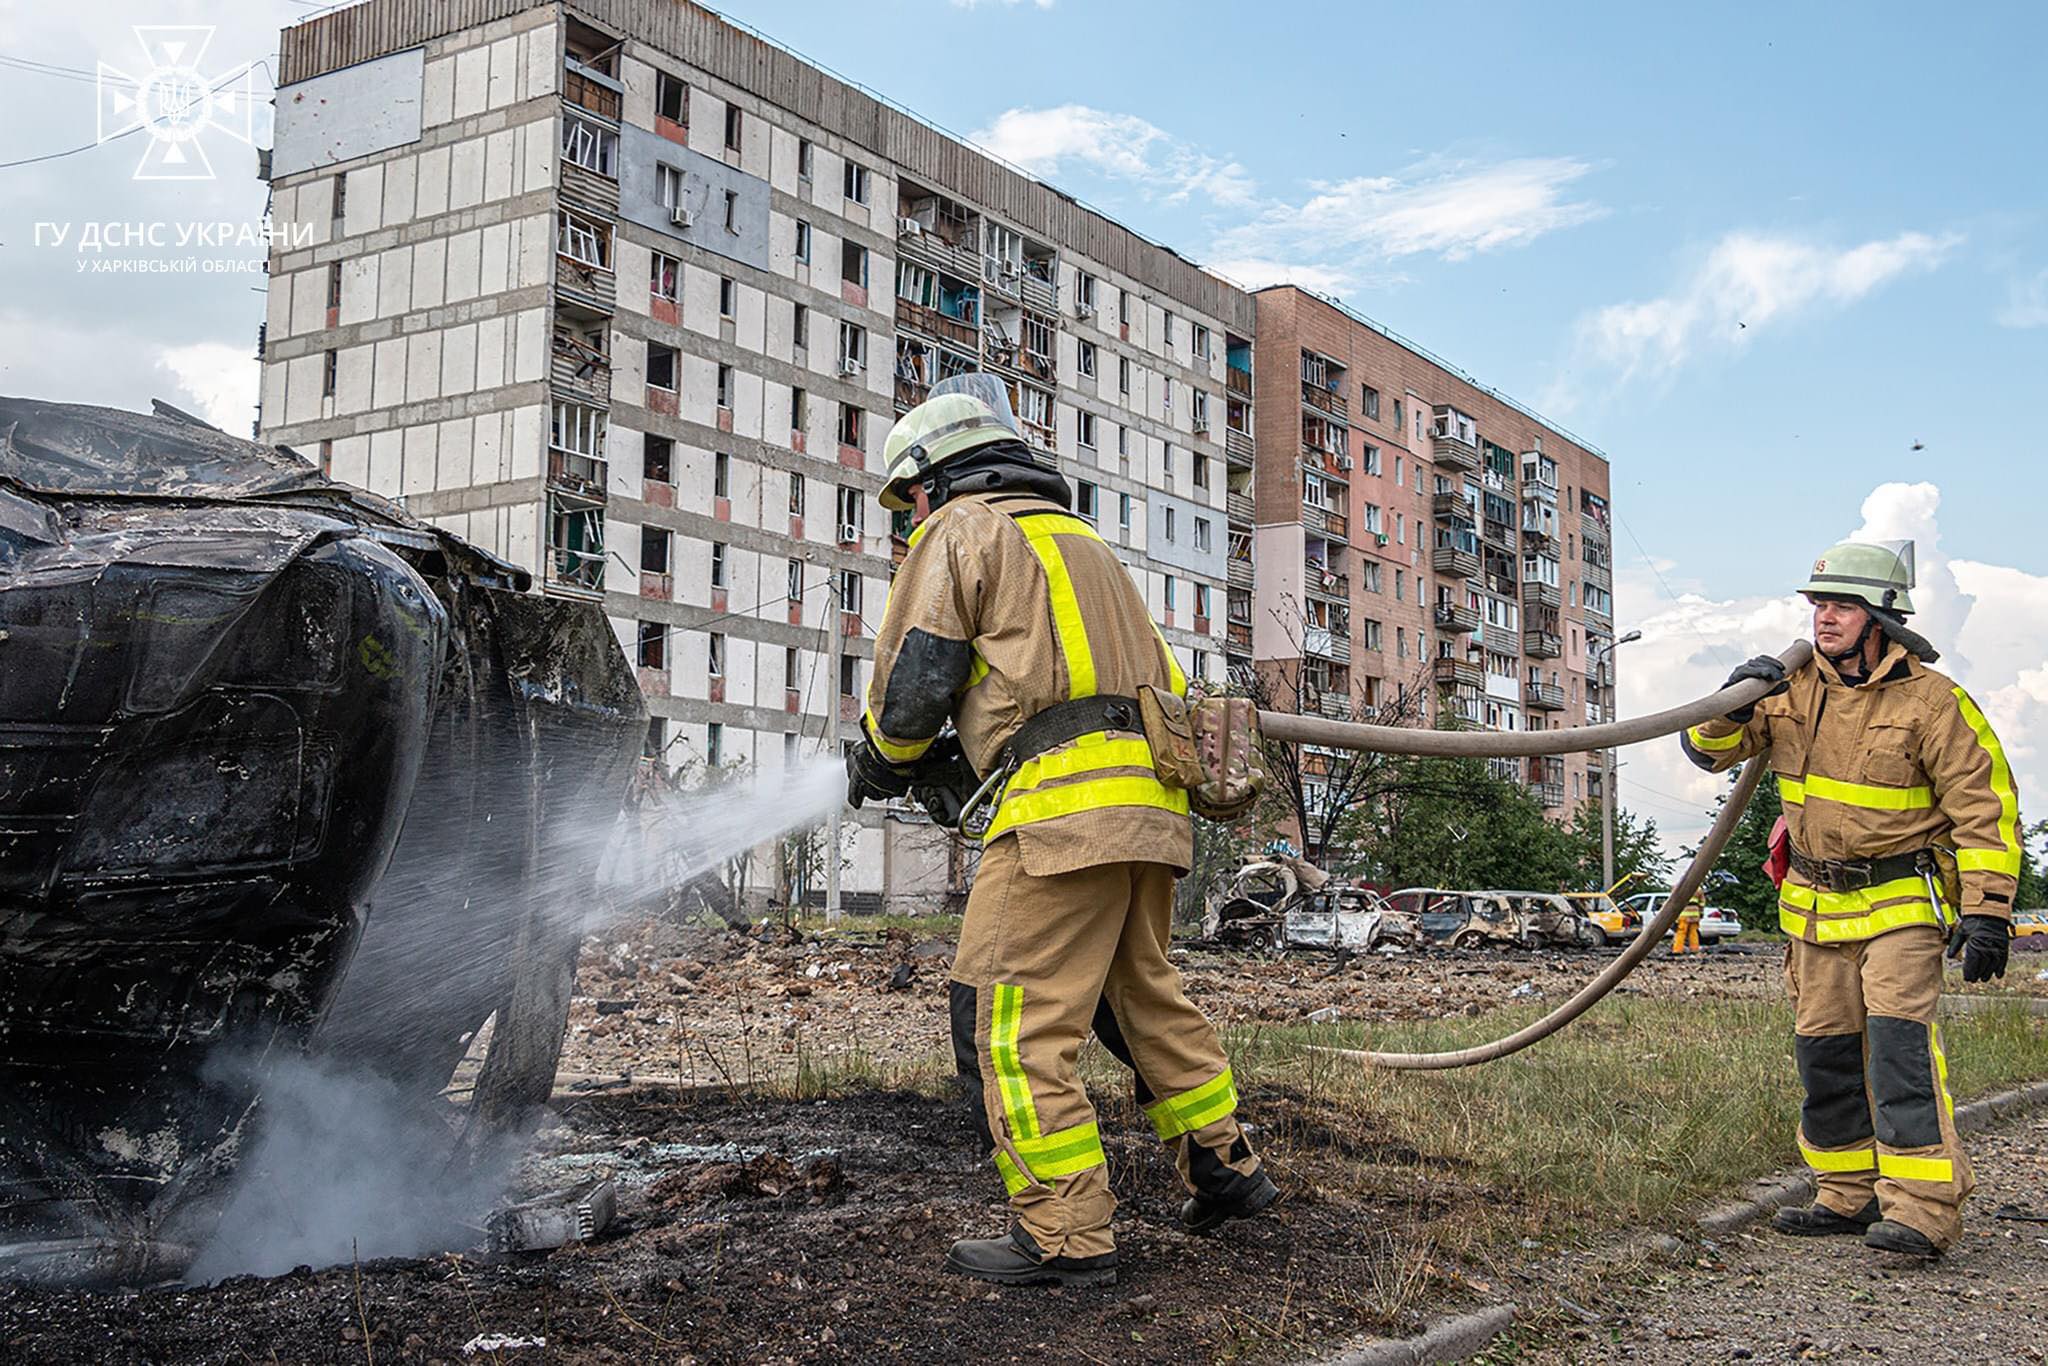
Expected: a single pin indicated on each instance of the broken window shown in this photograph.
(664, 276)
(799, 410)
(849, 675)
(662, 366)
(803, 241)
(853, 263)
(850, 415)
(1199, 340)
(1202, 537)
(579, 428)
(590, 145)
(329, 366)
(668, 186)
(576, 543)
(856, 181)
(732, 127)
(1200, 465)
(718, 558)
(850, 591)
(725, 386)
(671, 98)
(791, 666)
(800, 328)
(334, 284)
(714, 744)
(852, 513)
(714, 654)
(1084, 359)
(585, 240)
(732, 211)
(656, 743)
(657, 459)
(796, 582)
(853, 348)
(653, 645)
(806, 154)
(721, 475)
(1201, 591)
(796, 495)
(654, 549)
(1084, 500)
(728, 297)
(340, 196)
(1084, 430)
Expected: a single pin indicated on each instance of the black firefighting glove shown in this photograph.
(1982, 942)
(1766, 667)
(942, 781)
(870, 776)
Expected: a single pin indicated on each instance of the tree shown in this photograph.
(1457, 823)
(1637, 851)
(2033, 891)
(1738, 880)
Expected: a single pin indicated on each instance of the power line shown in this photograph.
(1665, 585)
(69, 73)
(221, 84)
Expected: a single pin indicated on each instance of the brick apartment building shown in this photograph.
(1424, 545)
(630, 297)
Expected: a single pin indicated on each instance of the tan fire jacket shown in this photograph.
(1007, 604)
(1902, 762)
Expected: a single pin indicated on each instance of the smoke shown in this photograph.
(353, 1157)
(344, 1167)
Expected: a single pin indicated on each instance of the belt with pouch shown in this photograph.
(1047, 730)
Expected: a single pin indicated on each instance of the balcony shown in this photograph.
(927, 247)
(1543, 696)
(1549, 794)
(1238, 508)
(910, 393)
(1539, 543)
(1457, 673)
(1237, 381)
(1456, 618)
(1238, 446)
(1542, 644)
(1454, 453)
(1445, 506)
(933, 323)
(592, 89)
(591, 287)
(1535, 595)
(1325, 644)
(1237, 637)
(1038, 290)
(1498, 533)
(1605, 610)
(1325, 522)
(1593, 529)
(1320, 581)
(580, 370)
(583, 475)
(1326, 401)
(1454, 562)
(1239, 574)
(1597, 576)
(1335, 705)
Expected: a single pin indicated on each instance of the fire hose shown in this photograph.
(1391, 739)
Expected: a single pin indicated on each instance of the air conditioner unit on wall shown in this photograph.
(848, 533)
(1083, 309)
(849, 366)
(680, 216)
(909, 227)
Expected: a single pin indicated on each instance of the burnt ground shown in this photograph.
(781, 1230)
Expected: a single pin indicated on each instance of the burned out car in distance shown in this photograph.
(1475, 919)
(1285, 902)
(281, 770)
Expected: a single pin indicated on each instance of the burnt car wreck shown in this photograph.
(283, 771)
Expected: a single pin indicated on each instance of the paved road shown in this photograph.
(1767, 1298)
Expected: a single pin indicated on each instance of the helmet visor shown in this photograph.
(986, 387)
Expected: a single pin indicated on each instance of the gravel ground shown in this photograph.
(1762, 1297)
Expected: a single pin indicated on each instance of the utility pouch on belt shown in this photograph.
(1208, 746)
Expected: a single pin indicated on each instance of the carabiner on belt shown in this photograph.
(980, 812)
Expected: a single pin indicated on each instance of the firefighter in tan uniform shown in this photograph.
(1904, 820)
(1011, 618)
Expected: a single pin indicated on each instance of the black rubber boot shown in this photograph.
(1888, 1235)
(1018, 1260)
(1205, 1212)
(1818, 1221)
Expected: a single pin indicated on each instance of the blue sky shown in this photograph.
(1755, 253)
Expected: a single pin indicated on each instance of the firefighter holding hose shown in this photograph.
(1013, 620)
(1904, 824)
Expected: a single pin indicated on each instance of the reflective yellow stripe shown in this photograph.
(1948, 1102)
(1844, 916)
(893, 752)
(1088, 754)
(1713, 744)
(1040, 531)
(1915, 1168)
(1063, 1153)
(1865, 795)
(1175, 675)
(2006, 860)
(1855, 1160)
(1013, 1179)
(1006, 1012)
(917, 533)
(1190, 1110)
(977, 669)
(1031, 807)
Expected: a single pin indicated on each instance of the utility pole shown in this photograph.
(1607, 764)
(832, 822)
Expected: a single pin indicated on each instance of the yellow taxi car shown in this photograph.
(2025, 923)
(1616, 922)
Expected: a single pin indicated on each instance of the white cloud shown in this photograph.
(1123, 146)
(1975, 613)
(1747, 282)
(223, 379)
(2027, 303)
(1347, 227)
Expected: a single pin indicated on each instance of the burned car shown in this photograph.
(1470, 920)
(283, 771)
(1284, 902)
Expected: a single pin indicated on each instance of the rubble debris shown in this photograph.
(499, 1342)
(554, 1220)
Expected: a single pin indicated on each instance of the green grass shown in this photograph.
(1639, 1110)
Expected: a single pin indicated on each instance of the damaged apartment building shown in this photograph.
(630, 297)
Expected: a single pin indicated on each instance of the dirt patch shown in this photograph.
(771, 1230)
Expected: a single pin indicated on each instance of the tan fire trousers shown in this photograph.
(1038, 958)
(1878, 1119)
